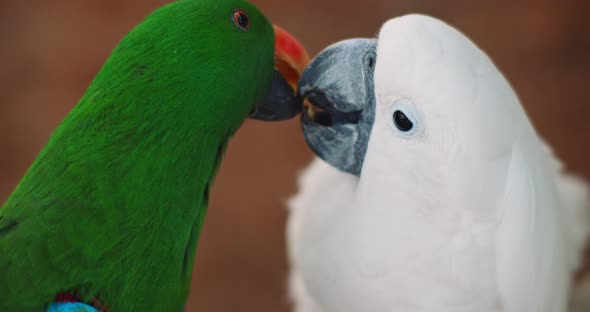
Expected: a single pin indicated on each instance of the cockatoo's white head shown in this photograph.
(440, 101)
(436, 102)
(437, 114)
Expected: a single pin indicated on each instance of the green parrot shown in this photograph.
(110, 212)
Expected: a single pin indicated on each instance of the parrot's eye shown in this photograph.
(407, 120)
(241, 19)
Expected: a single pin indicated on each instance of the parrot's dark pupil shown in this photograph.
(243, 20)
(402, 122)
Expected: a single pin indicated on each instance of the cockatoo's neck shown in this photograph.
(393, 196)
(415, 230)
(438, 192)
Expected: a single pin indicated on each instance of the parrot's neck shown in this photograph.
(149, 183)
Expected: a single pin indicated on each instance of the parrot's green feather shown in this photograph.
(114, 204)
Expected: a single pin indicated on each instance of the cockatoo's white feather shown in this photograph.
(469, 213)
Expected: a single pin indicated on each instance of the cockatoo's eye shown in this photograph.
(241, 19)
(406, 119)
(401, 121)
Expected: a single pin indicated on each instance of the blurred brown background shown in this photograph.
(50, 50)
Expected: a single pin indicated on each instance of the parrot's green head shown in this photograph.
(127, 174)
(200, 64)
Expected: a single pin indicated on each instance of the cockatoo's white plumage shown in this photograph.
(468, 212)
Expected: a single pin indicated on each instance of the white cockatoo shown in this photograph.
(436, 194)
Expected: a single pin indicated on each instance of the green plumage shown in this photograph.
(113, 205)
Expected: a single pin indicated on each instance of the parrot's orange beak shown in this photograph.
(290, 56)
(282, 101)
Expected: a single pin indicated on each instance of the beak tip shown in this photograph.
(291, 59)
(281, 103)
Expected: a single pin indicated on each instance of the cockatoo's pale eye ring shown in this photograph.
(406, 119)
(241, 19)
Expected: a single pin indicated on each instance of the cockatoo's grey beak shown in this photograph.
(338, 90)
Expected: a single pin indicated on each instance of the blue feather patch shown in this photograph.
(71, 307)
